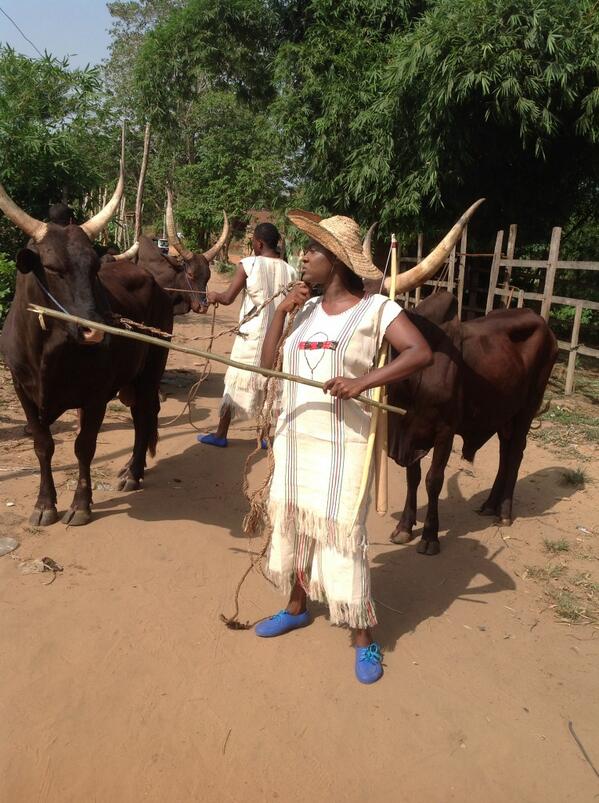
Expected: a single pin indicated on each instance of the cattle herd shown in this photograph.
(488, 375)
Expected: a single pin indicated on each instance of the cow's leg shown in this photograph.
(517, 445)
(85, 448)
(44, 512)
(145, 420)
(491, 506)
(403, 532)
(429, 543)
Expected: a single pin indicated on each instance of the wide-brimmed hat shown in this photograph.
(341, 236)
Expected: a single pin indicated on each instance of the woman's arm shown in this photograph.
(295, 299)
(414, 354)
(229, 295)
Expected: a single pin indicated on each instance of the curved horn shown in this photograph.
(426, 269)
(31, 226)
(171, 231)
(140, 185)
(95, 224)
(212, 252)
(367, 244)
(128, 254)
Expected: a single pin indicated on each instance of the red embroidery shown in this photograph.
(312, 345)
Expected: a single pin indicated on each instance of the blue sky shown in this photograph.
(75, 28)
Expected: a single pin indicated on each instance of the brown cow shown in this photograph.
(488, 376)
(58, 366)
(189, 274)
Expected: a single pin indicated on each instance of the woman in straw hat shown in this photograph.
(319, 541)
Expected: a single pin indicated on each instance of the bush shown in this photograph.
(8, 275)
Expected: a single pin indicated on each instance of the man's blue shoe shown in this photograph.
(282, 622)
(369, 663)
(263, 443)
(212, 440)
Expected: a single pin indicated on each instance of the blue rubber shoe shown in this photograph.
(282, 622)
(369, 663)
(263, 443)
(212, 440)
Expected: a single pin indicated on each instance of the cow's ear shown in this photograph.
(27, 260)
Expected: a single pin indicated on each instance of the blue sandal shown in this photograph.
(213, 440)
(369, 663)
(282, 622)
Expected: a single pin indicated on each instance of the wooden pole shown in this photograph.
(556, 236)
(511, 247)
(419, 252)
(379, 424)
(462, 270)
(573, 349)
(494, 271)
(206, 355)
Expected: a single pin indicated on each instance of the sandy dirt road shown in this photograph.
(120, 684)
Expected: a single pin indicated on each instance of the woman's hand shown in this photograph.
(343, 387)
(295, 299)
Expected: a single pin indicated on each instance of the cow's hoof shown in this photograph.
(42, 518)
(505, 522)
(128, 483)
(428, 548)
(401, 537)
(77, 518)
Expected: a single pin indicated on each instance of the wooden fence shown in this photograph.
(463, 280)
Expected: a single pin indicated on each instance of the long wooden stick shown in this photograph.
(207, 355)
(377, 394)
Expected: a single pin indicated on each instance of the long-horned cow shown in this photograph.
(488, 377)
(57, 366)
(189, 274)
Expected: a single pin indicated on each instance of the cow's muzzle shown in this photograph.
(91, 336)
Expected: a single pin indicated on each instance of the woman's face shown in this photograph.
(317, 264)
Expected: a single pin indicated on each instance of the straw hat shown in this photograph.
(341, 236)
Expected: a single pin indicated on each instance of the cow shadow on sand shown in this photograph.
(420, 587)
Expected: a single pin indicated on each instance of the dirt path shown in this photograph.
(120, 684)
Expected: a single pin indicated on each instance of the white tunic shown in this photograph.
(320, 441)
(265, 276)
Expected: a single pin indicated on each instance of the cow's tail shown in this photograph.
(541, 410)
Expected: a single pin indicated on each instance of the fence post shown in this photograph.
(462, 269)
(573, 349)
(494, 271)
(556, 236)
(511, 248)
(451, 271)
(520, 299)
(418, 260)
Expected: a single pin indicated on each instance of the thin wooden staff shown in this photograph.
(381, 459)
(207, 355)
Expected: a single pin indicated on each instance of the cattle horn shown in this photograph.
(95, 224)
(367, 244)
(171, 231)
(34, 228)
(212, 252)
(425, 270)
(128, 254)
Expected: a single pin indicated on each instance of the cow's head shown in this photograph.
(63, 261)
(195, 271)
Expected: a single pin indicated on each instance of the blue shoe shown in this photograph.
(263, 443)
(212, 440)
(282, 622)
(369, 663)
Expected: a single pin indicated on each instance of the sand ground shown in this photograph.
(120, 684)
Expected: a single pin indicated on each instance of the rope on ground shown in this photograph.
(193, 390)
(256, 521)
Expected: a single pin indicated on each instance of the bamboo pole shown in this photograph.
(207, 355)
(380, 434)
